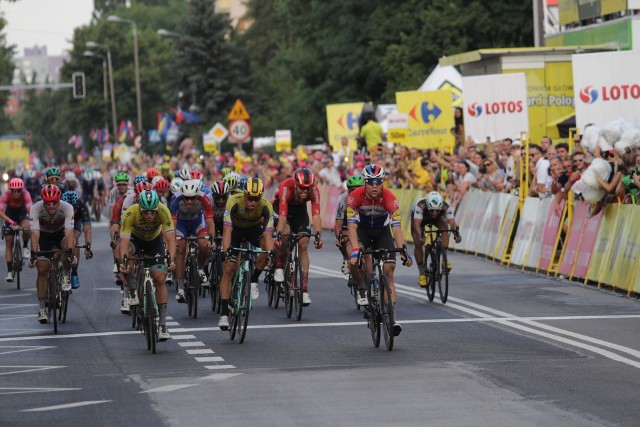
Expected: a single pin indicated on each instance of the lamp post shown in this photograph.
(167, 33)
(113, 18)
(91, 44)
(104, 83)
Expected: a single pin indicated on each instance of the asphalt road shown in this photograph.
(509, 348)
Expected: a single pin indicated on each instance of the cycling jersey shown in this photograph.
(180, 210)
(287, 197)
(22, 201)
(371, 213)
(33, 187)
(81, 215)
(134, 224)
(420, 212)
(128, 201)
(237, 216)
(341, 210)
(42, 221)
(114, 195)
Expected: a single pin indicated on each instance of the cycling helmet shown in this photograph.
(304, 177)
(253, 187)
(32, 173)
(242, 182)
(97, 175)
(50, 193)
(53, 171)
(434, 201)
(155, 180)
(176, 184)
(16, 184)
(220, 188)
(165, 168)
(162, 185)
(373, 171)
(69, 176)
(190, 188)
(121, 177)
(185, 174)
(225, 171)
(355, 182)
(151, 173)
(232, 180)
(70, 197)
(148, 200)
(196, 174)
(139, 178)
(143, 186)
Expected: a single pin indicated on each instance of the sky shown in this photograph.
(44, 22)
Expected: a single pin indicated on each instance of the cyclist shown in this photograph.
(116, 197)
(293, 195)
(165, 171)
(81, 223)
(53, 176)
(146, 227)
(51, 228)
(247, 216)
(232, 179)
(15, 204)
(162, 187)
(340, 228)
(370, 211)
(220, 191)
(152, 173)
(192, 215)
(431, 210)
(32, 184)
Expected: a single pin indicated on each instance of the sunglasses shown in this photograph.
(189, 197)
(303, 189)
(374, 181)
(16, 191)
(122, 184)
(148, 211)
(254, 198)
(488, 164)
(533, 154)
(54, 178)
(52, 203)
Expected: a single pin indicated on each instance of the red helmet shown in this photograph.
(304, 177)
(151, 172)
(16, 184)
(50, 193)
(220, 188)
(142, 186)
(196, 175)
(162, 185)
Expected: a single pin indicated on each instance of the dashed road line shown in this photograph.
(212, 367)
(66, 406)
(21, 369)
(25, 390)
(209, 359)
(200, 351)
(168, 388)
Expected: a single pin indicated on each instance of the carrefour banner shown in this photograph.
(430, 117)
(495, 106)
(607, 87)
(342, 120)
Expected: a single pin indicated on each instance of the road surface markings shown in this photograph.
(21, 369)
(24, 390)
(200, 351)
(220, 367)
(8, 349)
(66, 406)
(220, 377)
(167, 388)
(209, 359)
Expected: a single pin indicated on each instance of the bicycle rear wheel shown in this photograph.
(430, 263)
(64, 303)
(271, 290)
(289, 287)
(214, 290)
(17, 259)
(299, 289)
(234, 302)
(244, 307)
(53, 300)
(443, 282)
(388, 318)
(373, 310)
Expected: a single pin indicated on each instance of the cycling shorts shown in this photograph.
(17, 215)
(250, 234)
(378, 238)
(298, 219)
(192, 227)
(153, 248)
(50, 241)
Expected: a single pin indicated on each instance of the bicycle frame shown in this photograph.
(54, 289)
(294, 275)
(191, 274)
(16, 250)
(435, 255)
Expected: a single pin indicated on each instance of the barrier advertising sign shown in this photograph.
(606, 86)
(495, 106)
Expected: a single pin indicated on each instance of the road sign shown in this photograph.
(239, 112)
(239, 131)
(209, 143)
(218, 132)
(283, 140)
(398, 127)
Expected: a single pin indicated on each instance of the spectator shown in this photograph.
(329, 174)
(345, 154)
(630, 183)
(562, 149)
(464, 181)
(539, 168)
(618, 170)
(493, 178)
(371, 133)
(415, 173)
(545, 143)
(458, 128)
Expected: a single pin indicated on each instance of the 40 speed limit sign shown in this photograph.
(239, 131)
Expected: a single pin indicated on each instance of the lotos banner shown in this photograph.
(430, 118)
(606, 87)
(342, 121)
(495, 106)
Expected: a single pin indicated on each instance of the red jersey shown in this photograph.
(22, 201)
(287, 195)
(373, 213)
(116, 210)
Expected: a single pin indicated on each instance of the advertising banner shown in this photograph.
(606, 87)
(604, 243)
(526, 230)
(549, 236)
(590, 232)
(430, 118)
(505, 228)
(533, 254)
(580, 210)
(625, 258)
(495, 106)
(342, 120)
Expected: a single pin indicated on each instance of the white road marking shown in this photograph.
(24, 390)
(20, 369)
(212, 367)
(14, 316)
(191, 344)
(183, 337)
(66, 406)
(209, 359)
(173, 324)
(113, 288)
(219, 377)
(167, 388)
(18, 295)
(21, 348)
(10, 306)
(200, 351)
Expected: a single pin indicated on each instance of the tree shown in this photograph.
(6, 75)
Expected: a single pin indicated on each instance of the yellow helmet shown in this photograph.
(254, 187)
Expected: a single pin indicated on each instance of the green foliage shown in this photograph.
(6, 75)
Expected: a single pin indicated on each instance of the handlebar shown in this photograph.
(50, 253)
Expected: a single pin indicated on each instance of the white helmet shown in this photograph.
(185, 174)
(434, 201)
(190, 188)
(155, 180)
(69, 176)
(176, 185)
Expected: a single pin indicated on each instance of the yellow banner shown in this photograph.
(12, 152)
(568, 11)
(342, 120)
(282, 146)
(605, 243)
(430, 117)
(628, 244)
(612, 6)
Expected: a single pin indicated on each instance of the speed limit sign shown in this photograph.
(239, 131)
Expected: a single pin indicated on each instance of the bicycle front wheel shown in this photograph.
(244, 307)
(17, 260)
(52, 300)
(64, 303)
(388, 318)
(289, 286)
(373, 312)
(299, 289)
(443, 283)
(430, 264)
(234, 302)
(149, 315)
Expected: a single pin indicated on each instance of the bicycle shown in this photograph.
(435, 257)
(18, 261)
(215, 273)
(293, 276)
(145, 315)
(240, 298)
(380, 308)
(272, 288)
(353, 288)
(192, 283)
(57, 299)
(114, 243)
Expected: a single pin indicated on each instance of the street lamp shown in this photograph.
(113, 18)
(91, 44)
(167, 33)
(104, 83)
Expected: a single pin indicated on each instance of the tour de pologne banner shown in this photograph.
(495, 106)
(342, 120)
(606, 87)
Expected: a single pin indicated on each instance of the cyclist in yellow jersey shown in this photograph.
(145, 228)
(247, 216)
